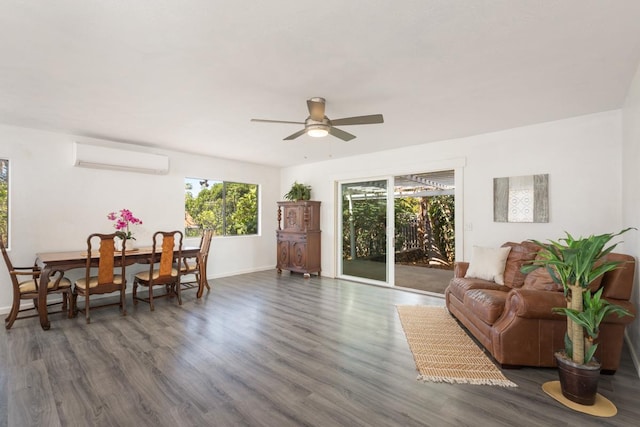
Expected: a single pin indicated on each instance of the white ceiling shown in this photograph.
(190, 74)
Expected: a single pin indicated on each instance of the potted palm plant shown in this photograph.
(298, 192)
(574, 264)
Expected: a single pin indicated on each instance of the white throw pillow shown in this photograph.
(488, 264)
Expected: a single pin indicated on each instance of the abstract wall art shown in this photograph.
(521, 198)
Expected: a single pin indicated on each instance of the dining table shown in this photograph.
(50, 262)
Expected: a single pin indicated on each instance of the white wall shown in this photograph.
(582, 156)
(55, 206)
(631, 195)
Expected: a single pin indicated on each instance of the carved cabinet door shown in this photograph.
(298, 255)
(283, 254)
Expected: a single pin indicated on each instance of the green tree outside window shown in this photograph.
(229, 208)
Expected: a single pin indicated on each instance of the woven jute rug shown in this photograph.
(443, 351)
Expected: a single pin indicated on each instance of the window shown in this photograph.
(4, 200)
(229, 208)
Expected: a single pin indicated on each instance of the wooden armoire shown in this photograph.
(298, 237)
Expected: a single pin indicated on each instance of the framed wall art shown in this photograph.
(521, 198)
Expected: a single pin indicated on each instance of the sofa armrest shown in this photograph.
(537, 304)
(460, 268)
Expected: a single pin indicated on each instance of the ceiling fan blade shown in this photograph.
(295, 135)
(345, 136)
(359, 120)
(316, 108)
(276, 121)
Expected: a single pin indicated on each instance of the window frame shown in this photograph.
(5, 223)
(221, 228)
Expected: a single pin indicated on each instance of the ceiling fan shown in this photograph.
(318, 125)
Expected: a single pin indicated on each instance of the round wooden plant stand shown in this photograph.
(602, 407)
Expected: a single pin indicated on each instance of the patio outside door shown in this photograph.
(364, 230)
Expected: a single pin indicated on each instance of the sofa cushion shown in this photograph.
(619, 282)
(486, 304)
(488, 264)
(520, 253)
(459, 286)
(540, 279)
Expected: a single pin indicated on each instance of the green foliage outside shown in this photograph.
(4, 200)
(369, 225)
(407, 210)
(441, 215)
(229, 208)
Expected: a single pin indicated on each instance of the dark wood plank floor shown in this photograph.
(262, 350)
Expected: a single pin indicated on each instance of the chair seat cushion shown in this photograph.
(144, 275)
(30, 285)
(187, 268)
(93, 282)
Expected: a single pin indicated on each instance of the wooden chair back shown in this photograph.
(107, 280)
(190, 265)
(205, 243)
(29, 273)
(29, 287)
(167, 246)
(12, 272)
(108, 259)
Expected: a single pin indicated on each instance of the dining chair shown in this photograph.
(28, 289)
(167, 246)
(198, 266)
(107, 281)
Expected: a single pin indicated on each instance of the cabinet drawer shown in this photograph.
(292, 237)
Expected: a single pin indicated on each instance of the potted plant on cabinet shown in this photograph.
(298, 192)
(574, 264)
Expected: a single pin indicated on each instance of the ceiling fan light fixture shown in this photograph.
(317, 131)
(318, 125)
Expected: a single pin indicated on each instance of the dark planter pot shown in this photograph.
(579, 383)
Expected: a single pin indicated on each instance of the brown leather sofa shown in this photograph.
(515, 321)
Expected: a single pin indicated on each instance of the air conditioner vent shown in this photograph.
(100, 157)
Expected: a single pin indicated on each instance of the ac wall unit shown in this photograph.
(100, 157)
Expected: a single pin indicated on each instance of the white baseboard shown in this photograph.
(634, 355)
(237, 272)
(23, 306)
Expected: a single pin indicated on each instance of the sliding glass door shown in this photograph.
(364, 246)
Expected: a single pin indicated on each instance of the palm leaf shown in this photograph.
(588, 355)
